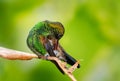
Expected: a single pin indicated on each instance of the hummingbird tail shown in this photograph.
(70, 59)
(58, 67)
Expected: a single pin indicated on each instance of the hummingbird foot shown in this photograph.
(40, 56)
(43, 57)
(46, 56)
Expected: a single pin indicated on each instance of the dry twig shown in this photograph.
(15, 55)
(18, 55)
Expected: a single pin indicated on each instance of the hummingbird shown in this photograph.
(43, 40)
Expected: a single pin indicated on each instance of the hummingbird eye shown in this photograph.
(59, 36)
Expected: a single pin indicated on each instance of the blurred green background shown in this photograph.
(92, 36)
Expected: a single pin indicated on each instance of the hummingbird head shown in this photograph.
(56, 28)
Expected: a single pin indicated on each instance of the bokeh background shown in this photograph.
(92, 36)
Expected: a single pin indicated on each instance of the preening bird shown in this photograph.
(43, 40)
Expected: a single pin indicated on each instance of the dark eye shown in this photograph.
(60, 35)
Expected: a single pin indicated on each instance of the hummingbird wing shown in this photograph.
(69, 59)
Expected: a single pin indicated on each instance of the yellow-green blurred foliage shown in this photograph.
(92, 36)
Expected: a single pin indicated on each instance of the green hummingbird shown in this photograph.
(43, 40)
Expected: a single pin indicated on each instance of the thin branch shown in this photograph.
(15, 55)
(68, 71)
(18, 55)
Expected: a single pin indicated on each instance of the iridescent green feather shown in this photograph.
(33, 39)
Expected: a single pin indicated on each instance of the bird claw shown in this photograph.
(43, 57)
